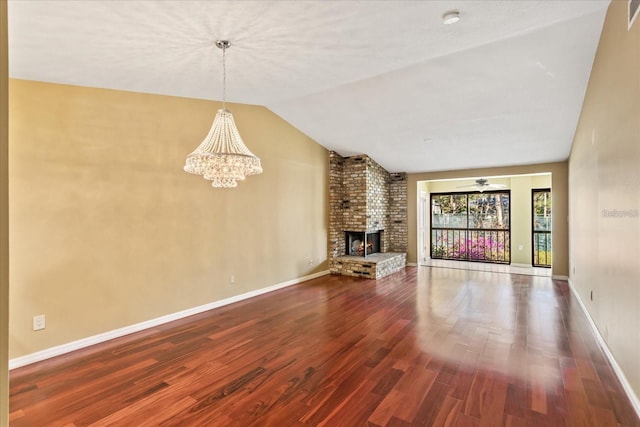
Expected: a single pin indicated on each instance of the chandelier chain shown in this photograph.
(224, 77)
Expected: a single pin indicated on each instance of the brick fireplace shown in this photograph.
(368, 208)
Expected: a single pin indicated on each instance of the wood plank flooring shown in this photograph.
(423, 347)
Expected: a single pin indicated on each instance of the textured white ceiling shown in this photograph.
(504, 86)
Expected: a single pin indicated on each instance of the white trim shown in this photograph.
(635, 402)
(515, 264)
(106, 336)
(412, 264)
(559, 277)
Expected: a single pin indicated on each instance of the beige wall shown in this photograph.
(4, 221)
(521, 220)
(107, 230)
(520, 187)
(559, 196)
(604, 177)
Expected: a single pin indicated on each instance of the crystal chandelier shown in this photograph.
(222, 157)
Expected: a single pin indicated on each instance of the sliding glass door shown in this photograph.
(541, 230)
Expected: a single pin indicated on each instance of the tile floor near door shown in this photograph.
(488, 266)
(422, 347)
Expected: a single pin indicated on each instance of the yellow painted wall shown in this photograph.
(520, 187)
(604, 182)
(521, 220)
(4, 220)
(559, 196)
(107, 230)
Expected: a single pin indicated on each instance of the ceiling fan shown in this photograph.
(482, 185)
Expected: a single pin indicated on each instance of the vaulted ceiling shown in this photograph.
(503, 86)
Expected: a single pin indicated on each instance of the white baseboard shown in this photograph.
(106, 336)
(412, 264)
(558, 277)
(635, 401)
(515, 264)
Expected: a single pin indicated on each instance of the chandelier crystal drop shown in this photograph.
(222, 157)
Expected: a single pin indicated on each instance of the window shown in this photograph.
(471, 226)
(541, 227)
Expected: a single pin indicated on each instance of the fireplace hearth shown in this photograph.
(359, 243)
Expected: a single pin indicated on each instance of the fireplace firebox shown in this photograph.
(359, 243)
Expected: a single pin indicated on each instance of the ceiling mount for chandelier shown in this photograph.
(222, 157)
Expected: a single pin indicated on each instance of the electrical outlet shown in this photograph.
(233, 279)
(309, 261)
(520, 247)
(39, 322)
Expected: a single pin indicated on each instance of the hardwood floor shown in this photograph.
(423, 347)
